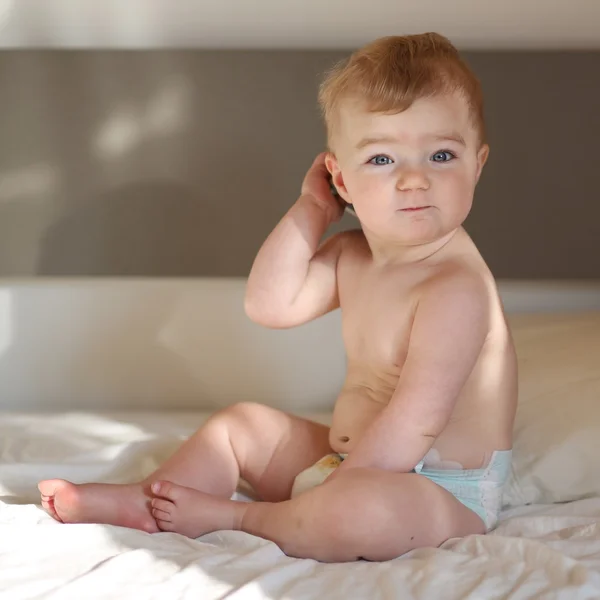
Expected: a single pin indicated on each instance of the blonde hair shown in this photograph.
(389, 74)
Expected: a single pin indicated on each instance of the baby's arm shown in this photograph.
(293, 280)
(449, 329)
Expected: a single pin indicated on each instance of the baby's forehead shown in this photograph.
(425, 116)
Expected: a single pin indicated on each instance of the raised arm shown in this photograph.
(449, 330)
(293, 278)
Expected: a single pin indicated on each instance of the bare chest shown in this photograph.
(377, 312)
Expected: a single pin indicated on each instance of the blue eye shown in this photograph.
(380, 159)
(443, 156)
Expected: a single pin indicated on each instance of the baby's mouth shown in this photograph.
(414, 208)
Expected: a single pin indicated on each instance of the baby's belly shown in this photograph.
(353, 413)
(367, 390)
(356, 408)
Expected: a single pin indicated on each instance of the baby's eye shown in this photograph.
(380, 159)
(443, 156)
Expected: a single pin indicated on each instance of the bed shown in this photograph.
(101, 380)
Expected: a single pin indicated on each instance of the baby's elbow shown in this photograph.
(253, 309)
(257, 313)
(433, 429)
(266, 315)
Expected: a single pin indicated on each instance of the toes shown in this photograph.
(164, 505)
(49, 487)
(162, 510)
(165, 525)
(48, 506)
(161, 515)
(166, 489)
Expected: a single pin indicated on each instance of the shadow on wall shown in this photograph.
(153, 228)
(138, 229)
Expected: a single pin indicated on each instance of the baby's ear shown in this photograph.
(482, 157)
(331, 163)
(337, 178)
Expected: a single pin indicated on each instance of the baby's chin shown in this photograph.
(416, 233)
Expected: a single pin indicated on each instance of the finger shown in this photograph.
(319, 165)
(320, 158)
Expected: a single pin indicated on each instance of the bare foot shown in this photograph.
(125, 505)
(193, 513)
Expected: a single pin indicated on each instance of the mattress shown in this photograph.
(537, 551)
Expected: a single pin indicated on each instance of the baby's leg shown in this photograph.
(362, 513)
(264, 446)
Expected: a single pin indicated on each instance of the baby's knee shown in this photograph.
(240, 412)
(249, 423)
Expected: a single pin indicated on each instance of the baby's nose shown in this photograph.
(412, 179)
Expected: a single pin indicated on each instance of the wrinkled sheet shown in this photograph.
(536, 552)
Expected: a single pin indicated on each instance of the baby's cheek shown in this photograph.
(362, 187)
(459, 187)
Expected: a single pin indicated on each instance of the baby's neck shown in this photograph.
(390, 253)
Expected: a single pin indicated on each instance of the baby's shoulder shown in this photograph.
(353, 245)
(354, 238)
(452, 273)
(459, 283)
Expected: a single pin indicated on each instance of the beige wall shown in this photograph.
(179, 163)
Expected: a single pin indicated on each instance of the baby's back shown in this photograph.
(378, 304)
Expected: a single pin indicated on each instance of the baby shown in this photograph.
(421, 436)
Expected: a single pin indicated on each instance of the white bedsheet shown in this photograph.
(536, 552)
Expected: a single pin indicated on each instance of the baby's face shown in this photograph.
(411, 176)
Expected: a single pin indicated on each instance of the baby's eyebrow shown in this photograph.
(383, 139)
(452, 136)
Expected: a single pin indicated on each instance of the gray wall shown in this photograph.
(180, 163)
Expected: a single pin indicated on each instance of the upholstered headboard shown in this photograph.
(178, 163)
(103, 344)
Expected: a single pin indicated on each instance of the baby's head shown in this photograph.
(405, 128)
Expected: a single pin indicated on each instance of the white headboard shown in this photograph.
(100, 344)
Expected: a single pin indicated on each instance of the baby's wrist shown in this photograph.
(328, 209)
